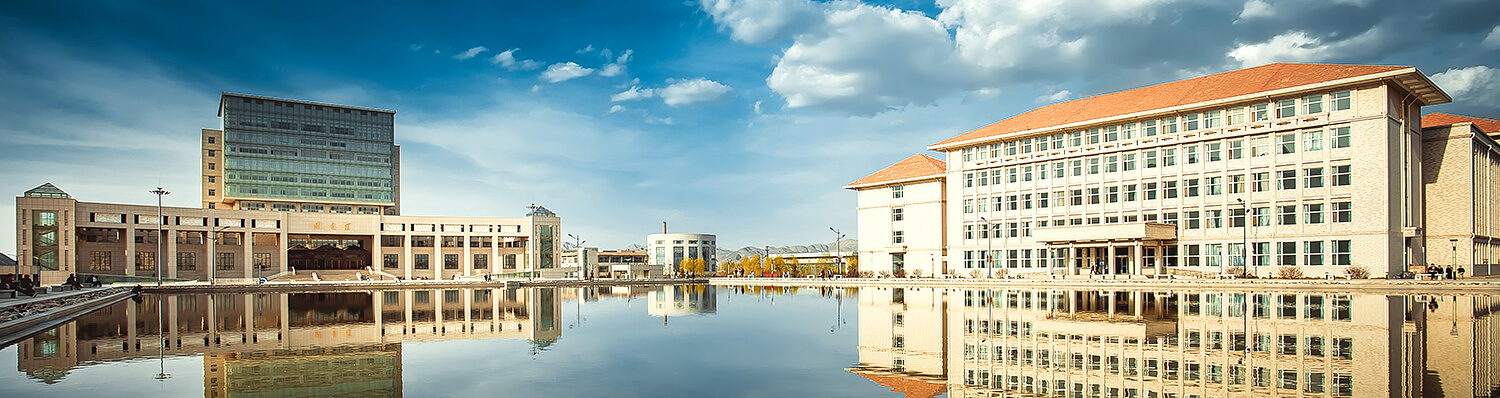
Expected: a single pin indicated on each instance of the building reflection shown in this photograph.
(682, 300)
(292, 344)
(1149, 344)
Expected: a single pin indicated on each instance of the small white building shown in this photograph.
(668, 250)
(901, 217)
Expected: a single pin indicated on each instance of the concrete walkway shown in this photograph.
(23, 316)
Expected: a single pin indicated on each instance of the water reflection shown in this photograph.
(314, 344)
(1085, 343)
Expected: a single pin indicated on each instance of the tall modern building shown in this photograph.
(290, 155)
(1303, 167)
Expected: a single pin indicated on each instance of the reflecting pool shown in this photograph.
(771, 341)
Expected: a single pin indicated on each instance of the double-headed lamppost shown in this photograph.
(838, 255)
(159, 239)
(583, 272)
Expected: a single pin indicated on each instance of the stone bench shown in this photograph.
(7, 294)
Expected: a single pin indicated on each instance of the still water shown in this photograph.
(754, 342)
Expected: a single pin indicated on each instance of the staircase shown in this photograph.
(327, 275)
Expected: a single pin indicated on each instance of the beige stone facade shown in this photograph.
(110, 239)
(1279, 168)
(1463, 168)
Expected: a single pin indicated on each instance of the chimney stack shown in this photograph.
(663, 227)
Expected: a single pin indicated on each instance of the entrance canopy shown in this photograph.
(1141, 231)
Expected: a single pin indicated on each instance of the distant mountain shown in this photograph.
(846, 246)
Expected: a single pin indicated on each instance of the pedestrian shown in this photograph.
(1448, 273)
(1432, 271)
(94, 280)
(24, 286)
(73, 281)
(1460, 271)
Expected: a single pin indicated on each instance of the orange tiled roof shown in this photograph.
(1182, 92)
(918, 165)
(911, 387)
(1486, 126)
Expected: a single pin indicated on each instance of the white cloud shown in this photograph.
(565, 71)
(625, 56)
(658, 120)
(612, 70)
(508, 60)
(470, 53)
(687, 92)
(1298, 46)
(536, 88)
(760, 21)
(1058, 96)
(585, 50)
(1492, 41)
(757, 108)
(1257, 9)
(616, 109)
(634, 93)
(417, 47)
(1005, 34)
(1478, 85)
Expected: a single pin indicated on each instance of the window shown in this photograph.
(1169, 157)
(1260, 146)
(1129, 162)
(1343, 211)
(1312, 253)
(1075, 139)
(1312, 141)
(1193, 221)
(1237, 183)
(102, 261)
(1286, 108)
(1312, 104)
(968, 206)
(224, 261)
(1288, 179)
(1190, 188)
(420, 261)
(211, 140)
(1341, 100)
(968, 180)
(1341, 253)
(1191, 153)
(1261, 182)
(1288, 215)
(1341, 137)
(1262, 216)
(1215, 219)
(896, 192)
(1236, 149)
(392, 261)
(1260, 112)
(1215, 185)
(1312, 178)
(1093, 136)
(210, 192)
(1236, 115)
(1190, 122)
(898, 237)
(1150, 158)
(968, 154)
(1076, 197)
(1212, 119)
(1093, 196)
(1211, 151)
(897, 214)
(1341, 175)
(1148, 128)
(210, 153)
(1058, 170)
(1111, 164)
(1288, 143)
(1169, 189)
(1077, 167)
(1169, 125)
(211, 166)
(984, 179)
(1150, 189)
(1112, 194)
(1312, 213)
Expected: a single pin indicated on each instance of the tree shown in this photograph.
(851, 265)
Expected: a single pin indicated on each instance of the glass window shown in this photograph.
(1343, 212)
(1288, 214)
(1313, 213)
(1341, 100)
(1288, 179)
(1312, 104)
(1236, 149)
(1341, 138)
(1236, 115)
(1286, 108)
(1341, 175)
(1312, 178)
(1260, 112)
(896, 191)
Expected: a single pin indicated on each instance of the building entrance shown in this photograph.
(327, 252)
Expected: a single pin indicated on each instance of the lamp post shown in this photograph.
(1245, 230)
(1454, 241)
(213, 252)
(159, 193)
(583, 272)
(989, 240)
(838, 255)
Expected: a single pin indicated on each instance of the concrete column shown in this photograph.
(248, 258)
(377, 250)
(129, 253)
(131, 333)
(1161, 266)
(1136, 258)
(286, 322)
(1071, 260)
(378, 303)
(1109, 261)
(408, 261)
(168, 259)
(467, 262)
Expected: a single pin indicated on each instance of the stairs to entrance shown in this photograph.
(327, 275)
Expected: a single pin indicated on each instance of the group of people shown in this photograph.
(1448, 272)
(24, 285)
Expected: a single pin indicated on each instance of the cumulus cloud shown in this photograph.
(1257, 9)
(615, 109)
(470, 53)
(633, 94)
(612, 70)
(1492, 41)
(585, 50)
(1478, 85)
(687, 92)
(508, 61)
(761, 21)
(560, 72)
(1058, 96)
(1299, 46)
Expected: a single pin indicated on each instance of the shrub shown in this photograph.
(1236, 270)
(900, 273)
(975, 273)
(1358, 272)
(884, 273)
(867, 274)
(916, 273)
(1289, 272)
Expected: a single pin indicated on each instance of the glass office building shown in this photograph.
(289, 155)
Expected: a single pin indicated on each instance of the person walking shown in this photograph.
(1448, 273)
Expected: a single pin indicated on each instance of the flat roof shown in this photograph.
(224, 95)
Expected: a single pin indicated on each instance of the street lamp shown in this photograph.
(989, 240)
(583, 271)
(213, 252)
(159, 239)
(1454, 241)
(838, 255)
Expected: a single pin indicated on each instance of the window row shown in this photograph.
(1290, 214)
(1312, 381)
(1290, 107)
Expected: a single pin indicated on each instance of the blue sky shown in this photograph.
(741, 118)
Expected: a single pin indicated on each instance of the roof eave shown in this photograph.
(898, 181)
(1434, 96)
